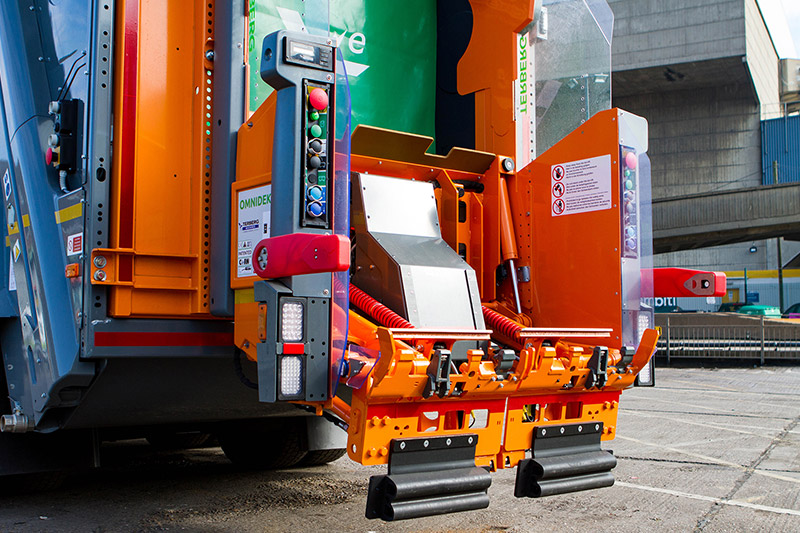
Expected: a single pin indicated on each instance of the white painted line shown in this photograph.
(689, 422)
(712, 460)
(736, 503)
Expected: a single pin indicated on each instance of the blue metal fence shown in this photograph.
(780, 150)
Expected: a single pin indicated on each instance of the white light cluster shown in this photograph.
(644, 323)
(646, 373)
(292, 321)
(291, 375)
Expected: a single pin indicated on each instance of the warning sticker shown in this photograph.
(254, 207)
(75, 244)
(6, 185)
(581, 186)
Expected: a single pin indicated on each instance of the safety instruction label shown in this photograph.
(75, 244)
(6, 185)
(254, 207)
(580, 186)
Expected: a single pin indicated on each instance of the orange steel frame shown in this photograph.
(158, 259)
(547, 385)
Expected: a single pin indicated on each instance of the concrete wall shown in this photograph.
(703, 73)
(701, 140)
(762, 61)
(650, 33)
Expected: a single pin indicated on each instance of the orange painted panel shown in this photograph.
(574, 258)
(161, 169)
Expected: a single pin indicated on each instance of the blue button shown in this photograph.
(315, 209)
(314, 193)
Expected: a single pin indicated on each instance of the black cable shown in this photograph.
(74, 75)
(10, 140)
(237, 367)
(69, 73)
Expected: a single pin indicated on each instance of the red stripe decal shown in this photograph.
(129, 85)
(159, 338)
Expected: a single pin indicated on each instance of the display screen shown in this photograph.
(309, 54)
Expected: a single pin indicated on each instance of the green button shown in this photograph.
(628, 173)
(316, 131)
(629, 185)
(314, 115)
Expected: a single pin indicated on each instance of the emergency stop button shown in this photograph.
(318, 98)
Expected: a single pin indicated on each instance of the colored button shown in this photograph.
(48, 156)
(315, 130)
(315, 193)
(314, 116)
(315, 209)
(629, 184)
(313, 162)
(631, 160)
(318, 98)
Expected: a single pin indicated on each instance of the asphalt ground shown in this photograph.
(711, 450)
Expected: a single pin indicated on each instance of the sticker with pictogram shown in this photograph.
(75, 244)
(6, 185)
(581, 186)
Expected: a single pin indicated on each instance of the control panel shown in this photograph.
(316, 139)
(62, 151)
(630, 214)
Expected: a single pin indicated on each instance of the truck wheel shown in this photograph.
(178, 441)
(278, 445)
(322, 457)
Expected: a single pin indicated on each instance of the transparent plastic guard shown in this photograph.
(572, 66)
(341, 220)
(310, 16)
(267, 16)
(637, 229)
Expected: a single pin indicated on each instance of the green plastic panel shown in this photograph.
(389, 49)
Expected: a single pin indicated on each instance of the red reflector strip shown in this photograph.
(159, 338)
(128, 141)
(294, 348)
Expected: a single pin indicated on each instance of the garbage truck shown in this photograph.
(415, 233)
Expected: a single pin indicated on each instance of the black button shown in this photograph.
(313, 162)
(315, 146)
(312, 178)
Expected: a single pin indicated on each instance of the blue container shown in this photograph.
(780, 142)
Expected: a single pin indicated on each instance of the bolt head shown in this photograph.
(508, 164)
(210, 55)
(100, 275)
(100, 261)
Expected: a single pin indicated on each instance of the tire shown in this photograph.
(178, 441)
(322, 457)
(274, 444)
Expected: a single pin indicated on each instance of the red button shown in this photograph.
(48, 156)
(318, 99)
